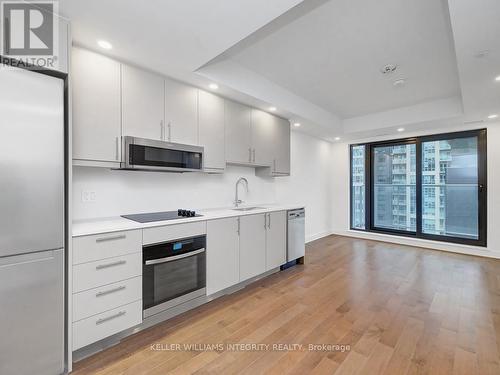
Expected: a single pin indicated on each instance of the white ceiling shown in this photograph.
(331, 56)
(318, 61)
(169, 36)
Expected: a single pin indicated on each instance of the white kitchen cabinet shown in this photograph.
(211, 131)
(275, 239)
(281, 163)
(252, 246)
(264, 131)
(278, 131)
(223, 254)
(143, 103)
(181, 112)
(96, 107)
(238, 119)
(98, 327)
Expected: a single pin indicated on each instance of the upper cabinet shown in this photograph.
(271, 140)
(96, 107)
(263, 137)
(143, 106)
(257, 138)
(111, 100)
(281, 153)
(181, 112)
(211, 126)
(238, 118)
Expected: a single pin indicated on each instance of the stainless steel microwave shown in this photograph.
(153, 155)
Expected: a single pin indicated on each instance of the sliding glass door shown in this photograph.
(431, 187)
(450, 187)
(394, 187)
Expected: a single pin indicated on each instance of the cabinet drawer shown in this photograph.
(106, 271)
(101, 246)
(98, 327)
(104, 298)
(173, 232)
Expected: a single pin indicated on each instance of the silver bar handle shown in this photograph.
(112, 238)
(274, 165)
(249, 154)
(239, 226)
(117, 315)
(162, 130)
(114, 290)
(169, 131)
(254, 155)
(265, 221)
(269, 222)
(108, 265)
(171, 259)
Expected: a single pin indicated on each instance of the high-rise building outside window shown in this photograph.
(431, 187)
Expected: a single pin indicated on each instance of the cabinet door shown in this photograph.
(211, 130)
(96, 107)
(238, 133)
(181, 112)
(143, 104)
(264, 127)
(223, 254)
(275, 240)
(252, 246)
(281, 163)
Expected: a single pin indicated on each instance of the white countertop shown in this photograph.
(116, 224)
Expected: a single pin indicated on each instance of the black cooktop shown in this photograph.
(161, 216)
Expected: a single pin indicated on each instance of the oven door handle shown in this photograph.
(176, 257)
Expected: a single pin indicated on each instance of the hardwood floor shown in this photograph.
(401, 309)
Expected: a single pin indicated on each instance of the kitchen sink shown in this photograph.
(248, 208)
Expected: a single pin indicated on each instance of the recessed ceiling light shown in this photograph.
(337, 138)
(213, 86)
(491, 117)
(497, 79)
(272, 109)
(297, 124)
(104, 44)
(401, 129)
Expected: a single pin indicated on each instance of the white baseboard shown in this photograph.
(317, 236)
(418, 242)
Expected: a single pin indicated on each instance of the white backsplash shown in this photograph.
(124, 192)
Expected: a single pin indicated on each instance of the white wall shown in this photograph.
(340, 201)
(123, 192)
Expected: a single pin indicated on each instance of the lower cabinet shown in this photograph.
(240, 248)
(100, 326)
(223, 254)
(107, 285)
(275, 239)
(252, 246)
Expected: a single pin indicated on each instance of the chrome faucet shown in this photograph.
(238, 201)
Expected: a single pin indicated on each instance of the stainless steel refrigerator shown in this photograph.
(31, 223)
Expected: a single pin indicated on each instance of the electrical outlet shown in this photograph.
(89, 196)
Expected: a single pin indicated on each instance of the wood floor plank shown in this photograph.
(394, 310)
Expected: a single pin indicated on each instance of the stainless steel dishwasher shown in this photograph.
(296, 235)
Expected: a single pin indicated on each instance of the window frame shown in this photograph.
(481, 135)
